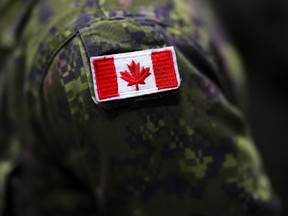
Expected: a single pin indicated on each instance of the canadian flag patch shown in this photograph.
(133, 74)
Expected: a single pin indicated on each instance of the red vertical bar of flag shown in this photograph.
(164, 69)
(106, 78)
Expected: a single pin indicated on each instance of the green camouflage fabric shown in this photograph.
(186, 153)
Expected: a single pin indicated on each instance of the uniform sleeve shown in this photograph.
(189, 153)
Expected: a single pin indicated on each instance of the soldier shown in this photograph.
(123, 107)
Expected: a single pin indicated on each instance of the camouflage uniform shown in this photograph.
(62, 153)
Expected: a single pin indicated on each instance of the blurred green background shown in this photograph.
(259, 29)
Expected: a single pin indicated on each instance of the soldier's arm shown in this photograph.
(183, 153)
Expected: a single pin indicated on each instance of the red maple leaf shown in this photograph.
(135, 77)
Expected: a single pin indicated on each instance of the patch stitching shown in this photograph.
(163, 60)
(105, 78)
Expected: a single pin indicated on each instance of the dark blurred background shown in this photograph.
(259, 30)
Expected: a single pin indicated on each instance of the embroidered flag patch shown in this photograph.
(133, 74)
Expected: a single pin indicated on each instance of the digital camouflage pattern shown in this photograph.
(185, 153)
